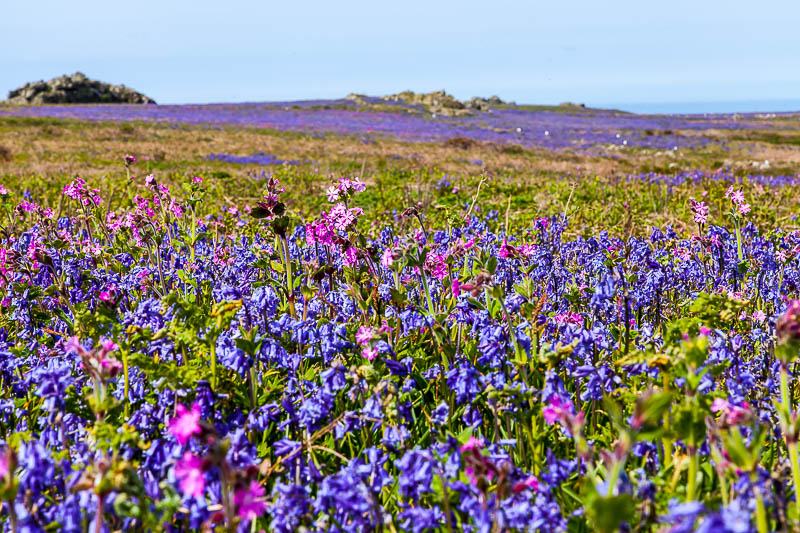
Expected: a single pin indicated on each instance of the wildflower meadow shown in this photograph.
(351, 337)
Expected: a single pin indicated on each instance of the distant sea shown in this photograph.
(731, 106)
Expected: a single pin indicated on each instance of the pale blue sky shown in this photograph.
(598, 52)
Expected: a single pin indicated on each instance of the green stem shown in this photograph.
(289, 280)
(739, 242)
(427, 292)
(691, 488)
(761, 512)
(127, 382)
(612, 479)
(214, 366)
(791, 443)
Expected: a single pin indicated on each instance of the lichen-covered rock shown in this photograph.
(75, 89)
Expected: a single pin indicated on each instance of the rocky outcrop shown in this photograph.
(438, 102)
(75, 89)
(483, 104)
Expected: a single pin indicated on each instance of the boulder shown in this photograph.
(75, 89)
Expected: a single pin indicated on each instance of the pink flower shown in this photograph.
(743, 208)
(3, 190)
(700, 211)
(455, 287)
(759, 316)
(333, 194)
(531, 483)
(186, 423)
(189, 473)
(197, 179)
(129, 159)
(568, 318)
(105, 296)
(387, 258)
(557, 409)
(250, 501)
(732, 414)
(435, 264)
(506, 250)
(73, 344)
(369, 353)
(364, 334)
(4, 465)
(342, 218)
(351, 256)
(720, 404)
(471, 444)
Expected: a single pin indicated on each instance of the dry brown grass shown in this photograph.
(97, 148)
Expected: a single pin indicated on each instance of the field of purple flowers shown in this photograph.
(173, 363)
(552, 129)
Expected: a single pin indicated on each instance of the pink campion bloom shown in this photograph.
(455, 287)
(732, 414)
(471, 444)
(107, 346)
(435, 264)
(532, 483)
(743, 208)
(197, 179)
(737, 197)
(249, 501)
(700, 211)
(557, 409)
(387, 258)
(369, 353)
(385, 328)
(105, 296)
(729, 192)
(364, 335)
(357, 185)
(129, 159)
(342, 218)
(344, 184)
(759, 316)
(333, 193)
(186, 423)
(150, 180)
(568, 318)
(683, 254)
(719, 404)
(189, 473)
(705, 331)
(506, 250)
(3, 190)
(27, 206)
(73, 344)
(351, 256)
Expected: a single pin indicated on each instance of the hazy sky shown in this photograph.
(617, 51)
